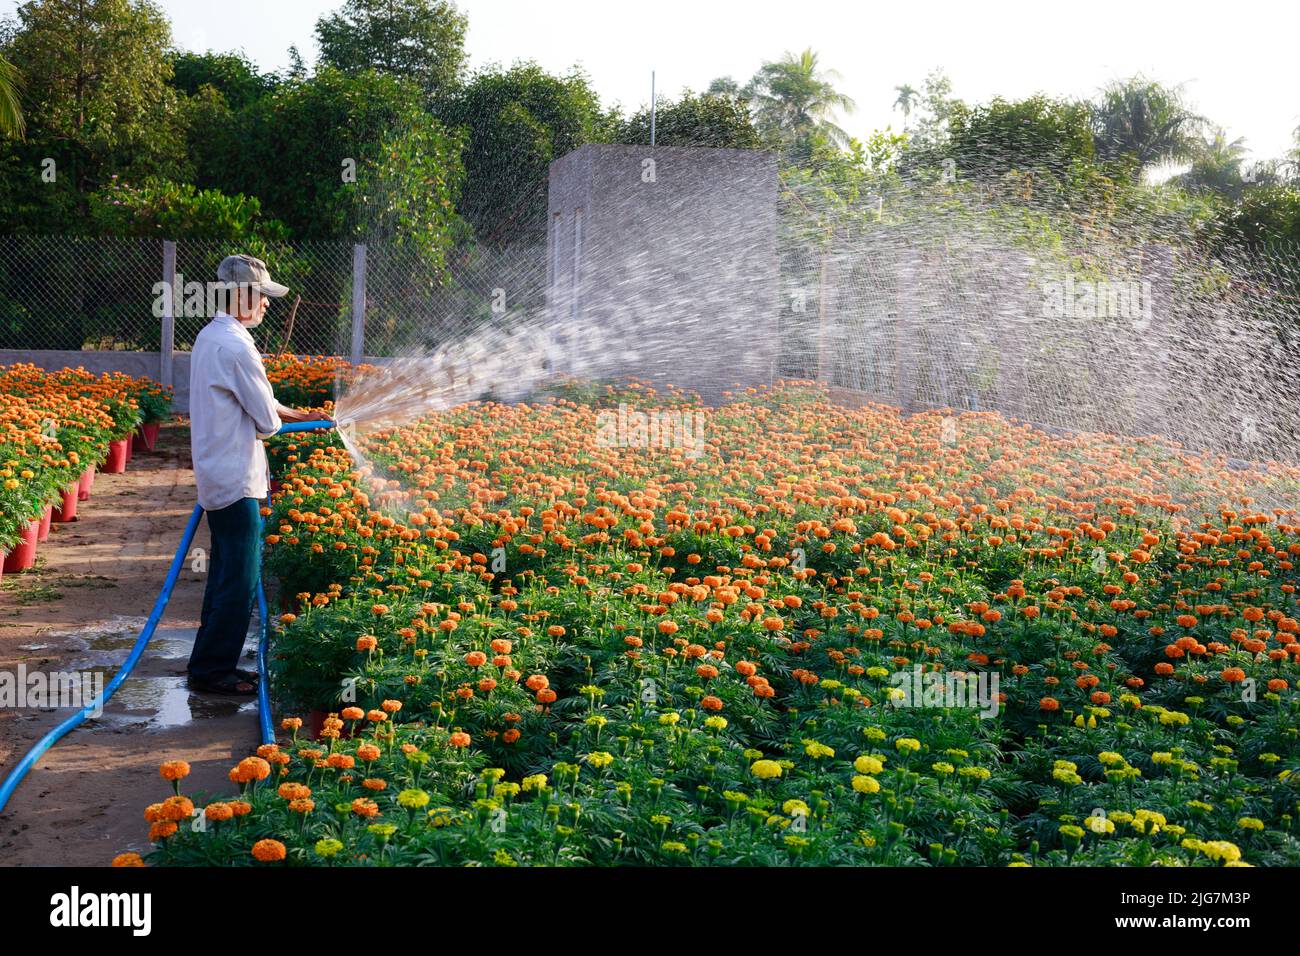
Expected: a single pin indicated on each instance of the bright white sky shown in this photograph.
(1238, 63)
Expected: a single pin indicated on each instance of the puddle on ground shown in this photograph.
(160, 702)
(167, 702)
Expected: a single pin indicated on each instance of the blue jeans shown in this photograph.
(233, 569)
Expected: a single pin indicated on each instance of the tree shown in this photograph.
(11, 111)
(932, 108)
(1144, 120)
(304, 151)
(517, 121)
(1217, 167)
(233, 75)
(1267, 216)
(1036, 133)
(795, 100)
(99, 100)
(906, 101)
(720, 121)
(418, 40)
(160, 208)
(724, 86)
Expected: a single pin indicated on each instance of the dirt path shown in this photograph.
(81, 610)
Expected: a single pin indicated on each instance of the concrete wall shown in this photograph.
(669, 254)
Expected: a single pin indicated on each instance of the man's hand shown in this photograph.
(299, 415)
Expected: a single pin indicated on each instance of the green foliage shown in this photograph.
(11, 113)
(97, 87)
(295, 148)
(1266, 216)
(1146, 121)
(517, 121)
(1024, 134)
(418, 40)
(171, 210)
(794, 101)
(408, 191)
(720, 121)
(232, 75)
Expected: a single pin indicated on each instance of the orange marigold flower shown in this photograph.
(174, 770)
(269, 851)
(161, 830)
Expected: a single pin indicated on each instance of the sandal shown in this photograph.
(250, 676)
(230, 685)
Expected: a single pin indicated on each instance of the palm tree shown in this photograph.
(794, 100)
(11, 113)
(1149, 122)
(907, 96)
(1217, 166)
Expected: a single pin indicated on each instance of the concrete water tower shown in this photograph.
(671, 251)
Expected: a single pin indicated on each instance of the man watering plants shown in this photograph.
(232, 408)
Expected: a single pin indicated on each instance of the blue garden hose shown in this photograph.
(16, 775)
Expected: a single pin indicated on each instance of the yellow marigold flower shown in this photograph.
(868, 764)
(907, 744)
(328, 848)
(765, 769)
(865, 784)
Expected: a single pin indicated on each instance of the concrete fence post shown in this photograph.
(358, 302)
(167, 340)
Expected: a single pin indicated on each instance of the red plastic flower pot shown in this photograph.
(46, 516)
(127, 443)
(85, 483)
(67, 509)
(146, 437)
(23, 555)
(115, 463)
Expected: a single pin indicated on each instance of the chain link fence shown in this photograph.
(67, 293)
(1206, 351)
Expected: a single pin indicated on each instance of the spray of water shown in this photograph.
(965, 292)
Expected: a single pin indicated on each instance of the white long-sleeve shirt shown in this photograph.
(232, 407)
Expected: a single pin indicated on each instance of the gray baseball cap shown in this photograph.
(247, 271)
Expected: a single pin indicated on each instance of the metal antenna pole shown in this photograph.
(652, 107)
